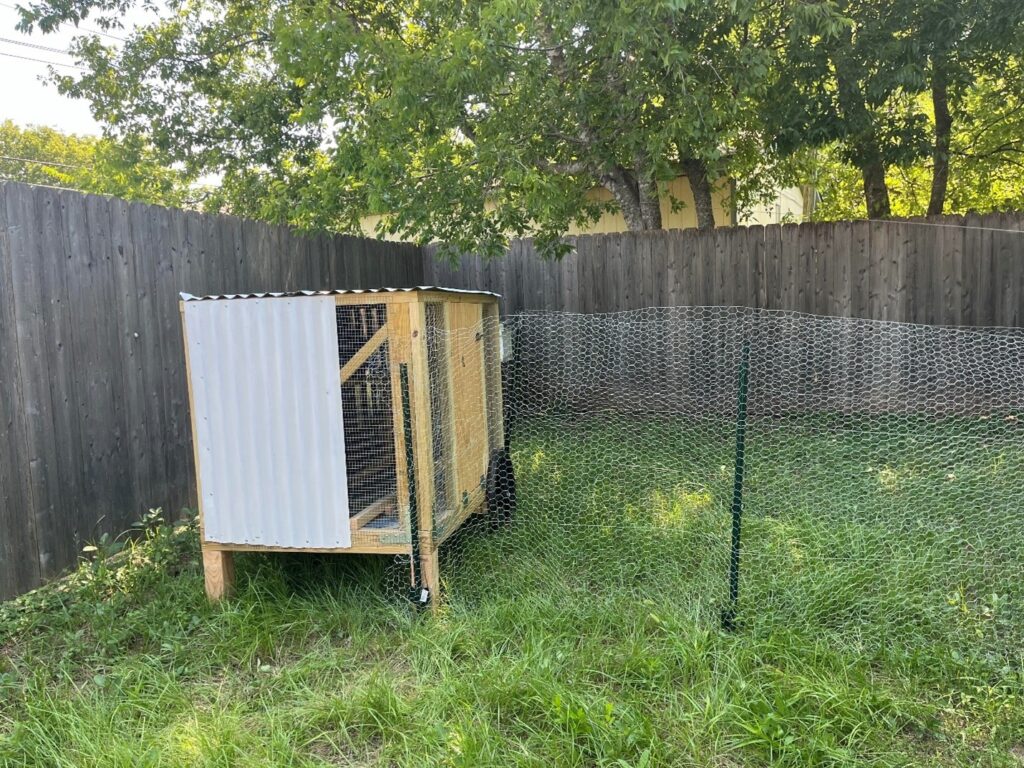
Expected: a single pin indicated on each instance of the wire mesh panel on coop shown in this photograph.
(326, 422)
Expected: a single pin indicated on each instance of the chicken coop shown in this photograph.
(350, 421)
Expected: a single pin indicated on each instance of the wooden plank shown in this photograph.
(468, 396)
(369, 545)
(824, 265)
(218, 573)
(397, 324)
(423, 455)
(197, 477)
(1006, 271)
(774, 292)
(371, 512)
(67, 536)
(104, 421)
(19, 554)
(172, 393)
(492, 372)
(841, 271)
(363, 353)
(148, 353)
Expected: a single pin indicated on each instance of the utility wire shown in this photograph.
(38, 162)
(27, 44)
(903, 222)
(44, 186)
(43, 61)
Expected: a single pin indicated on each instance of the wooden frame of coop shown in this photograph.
(420, 378)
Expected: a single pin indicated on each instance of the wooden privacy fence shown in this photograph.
(93, 398)
(948, 270)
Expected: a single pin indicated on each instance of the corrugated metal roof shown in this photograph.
(268, 415)
(190, 297)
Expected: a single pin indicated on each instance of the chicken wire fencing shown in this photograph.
(758, 469)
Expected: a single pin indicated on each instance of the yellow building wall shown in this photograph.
(685, 218)
(613, 221)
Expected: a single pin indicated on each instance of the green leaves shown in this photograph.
(474, 122)
(130, 169)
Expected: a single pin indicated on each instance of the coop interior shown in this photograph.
(366, 391)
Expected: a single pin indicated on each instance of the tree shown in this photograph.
(858, 93)
(459, 121)
(986, 160)
(40, 155)
(964, 41)
(853, 91)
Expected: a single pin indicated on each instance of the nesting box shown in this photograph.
(363, 421)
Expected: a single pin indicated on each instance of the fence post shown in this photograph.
(417, 592)
(729, 614)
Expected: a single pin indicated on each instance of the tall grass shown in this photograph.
(585, 634)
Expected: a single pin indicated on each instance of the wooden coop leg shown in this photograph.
(219, 572)
(430, 572)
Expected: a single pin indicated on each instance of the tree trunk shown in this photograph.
(864, 142)
(876, 191)
(940, 150)
(640, 211)
(697, 174)
(650, 204)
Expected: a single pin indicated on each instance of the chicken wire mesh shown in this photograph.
(367, 400)
(880, 482)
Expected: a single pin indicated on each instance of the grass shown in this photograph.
(879, 623)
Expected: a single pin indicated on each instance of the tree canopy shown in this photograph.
(469, 122)
(40, 155)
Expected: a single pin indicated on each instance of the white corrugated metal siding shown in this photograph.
(267, 406)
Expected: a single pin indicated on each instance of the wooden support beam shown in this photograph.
(423, 451)
(377, 508)
(492, 376)
(363, 354)
(218, 573)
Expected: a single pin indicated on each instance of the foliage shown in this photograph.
(128, 169)
(312, 664)
(468, 123)
(986, 159)
(461, 122)
(885, 95)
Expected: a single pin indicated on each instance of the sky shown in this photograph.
(24, 97)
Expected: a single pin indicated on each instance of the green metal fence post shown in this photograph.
(729, 614)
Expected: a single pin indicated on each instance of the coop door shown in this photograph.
(469, 407)
(267, 411)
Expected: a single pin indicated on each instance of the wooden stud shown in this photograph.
(363, 353)
(447, 406)
(492, 376)
(192, 418)
(370, 545)
(218, 573)
(372, 511)
(423, 454)
(398, 351)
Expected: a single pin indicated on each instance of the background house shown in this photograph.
(788, 206)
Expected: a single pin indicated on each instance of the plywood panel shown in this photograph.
(466, 344)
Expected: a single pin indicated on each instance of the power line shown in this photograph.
(83, 29)
(36, 46)
(44, 186)
(42, 61)
(38, 162)
(902, 222)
